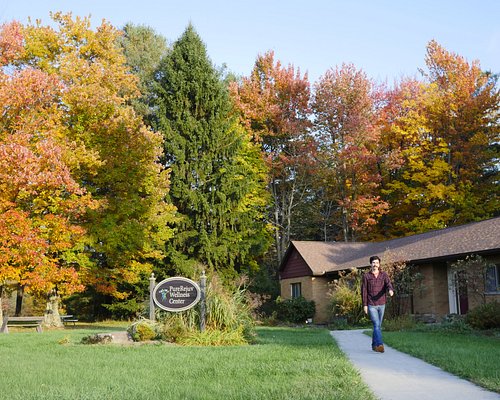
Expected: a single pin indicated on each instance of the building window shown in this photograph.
(296, 290)
(493, 279)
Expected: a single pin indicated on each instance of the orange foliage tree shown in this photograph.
(274, 105)
(78, 162)
(345, 111)
(40, 202)
(440, 145)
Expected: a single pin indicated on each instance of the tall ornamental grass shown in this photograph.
(228, 318)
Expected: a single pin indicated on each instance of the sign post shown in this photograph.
(152, 284)
(203, 284)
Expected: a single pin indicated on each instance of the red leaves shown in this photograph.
(273, 101)
(38, 195)
(11, 42)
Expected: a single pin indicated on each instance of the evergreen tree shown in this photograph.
(217, 173)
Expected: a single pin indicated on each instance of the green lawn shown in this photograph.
(473, 357)
(285, 363)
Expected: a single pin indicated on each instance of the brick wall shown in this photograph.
(313, 288)
(431, 300)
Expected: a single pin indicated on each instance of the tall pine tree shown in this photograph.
(217, 173)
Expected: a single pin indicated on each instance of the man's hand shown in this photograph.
(365, 309)
(391, 293)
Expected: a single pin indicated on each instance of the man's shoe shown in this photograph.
(380, 348)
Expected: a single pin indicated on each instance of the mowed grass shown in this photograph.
(469, 356)
(285, 363)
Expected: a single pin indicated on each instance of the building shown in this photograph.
(309, 267)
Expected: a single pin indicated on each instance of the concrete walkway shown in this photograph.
(397, 376)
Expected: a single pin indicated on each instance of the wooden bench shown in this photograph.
(66, 319)
(26, 322)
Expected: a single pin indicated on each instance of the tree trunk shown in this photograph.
(19, 300)
(1, 304)
(52, 317)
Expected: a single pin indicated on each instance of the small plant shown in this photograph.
(338, 324)
(345, 295)
(143, 330)
(485, 316)
(175, 327)
(401, 323)
(296, 310)
(97, 339)
(451, 323)
(64, 340)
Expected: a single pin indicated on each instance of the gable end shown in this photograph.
(294, 266)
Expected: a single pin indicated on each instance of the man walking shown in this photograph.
(375, 285)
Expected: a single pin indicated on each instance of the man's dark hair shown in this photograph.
(372, 258)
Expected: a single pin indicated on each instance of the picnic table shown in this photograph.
(66, 319)
(25, 322)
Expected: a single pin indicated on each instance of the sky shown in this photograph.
(385, 38)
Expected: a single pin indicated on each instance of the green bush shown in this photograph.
(486, 316)
(346, 299)
(296, 310)
(176, 326)
(97, 339)
(143, 330)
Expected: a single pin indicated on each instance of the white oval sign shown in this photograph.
(176, 294)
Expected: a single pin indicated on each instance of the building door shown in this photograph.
(457, 292)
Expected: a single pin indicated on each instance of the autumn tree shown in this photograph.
(415, 170)
(274, 104)
(218, 177)
(463, 110)
(106, 148)
(41, 204)
(345, 106)
(439, 139)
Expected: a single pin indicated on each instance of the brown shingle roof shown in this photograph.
(475, 238)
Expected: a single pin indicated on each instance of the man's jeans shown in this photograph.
(376, 314)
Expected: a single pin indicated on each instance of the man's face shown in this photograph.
(375, 264)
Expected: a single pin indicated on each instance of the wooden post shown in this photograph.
(203, 283)
(152, 284)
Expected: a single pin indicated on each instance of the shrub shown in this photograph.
(143, 330)
(485, 316)
(451, 323)
(97, 339)
(296, 310)
(339, 324)
(346, 299)
(401, 323)
(176, 326)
